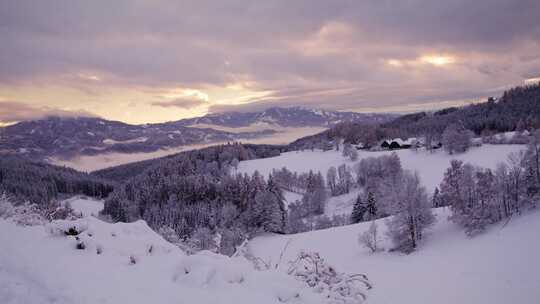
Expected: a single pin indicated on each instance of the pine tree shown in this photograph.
(436, 200)
(371, 206)
(359, 209)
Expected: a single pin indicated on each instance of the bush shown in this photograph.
(338, 287)
(370, 238)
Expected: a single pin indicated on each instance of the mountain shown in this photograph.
(64, 137)
(286, 117)
(68, 137)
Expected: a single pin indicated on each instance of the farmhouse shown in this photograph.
(398, 143)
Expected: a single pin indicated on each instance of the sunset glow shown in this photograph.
(182, 59)
(438, 60)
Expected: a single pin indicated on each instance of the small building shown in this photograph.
(398, 143)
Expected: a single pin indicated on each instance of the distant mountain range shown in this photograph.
(65, 137)
(286, 117)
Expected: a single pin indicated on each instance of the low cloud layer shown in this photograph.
(335, 54)
(11, 112)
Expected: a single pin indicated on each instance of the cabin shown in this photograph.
(397, 143)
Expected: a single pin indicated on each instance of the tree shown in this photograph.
(411, 213)
(456, 139)
(371, 206)
(370, 238)
(345, 179)
(359, 209)
(331, 179)
(436, 199)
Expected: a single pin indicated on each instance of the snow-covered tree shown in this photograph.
(456, 139)
(331, 179)
(411, 213)
(370, 238)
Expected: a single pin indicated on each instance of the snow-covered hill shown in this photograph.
(429, 165)
(126, 263)
(499, 266)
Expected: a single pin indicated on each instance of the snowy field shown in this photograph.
(497, 267)
(127, 263)
(429, 165)
(85, 206)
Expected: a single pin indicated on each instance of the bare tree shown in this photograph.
(370, 238)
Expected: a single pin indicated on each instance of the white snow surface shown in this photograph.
(84, 205)
(40, 264)
(499, 266)
(429, 165)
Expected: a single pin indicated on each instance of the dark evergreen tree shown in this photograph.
(359, 209)
(371, 206)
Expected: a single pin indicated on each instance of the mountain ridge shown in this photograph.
(67, 137)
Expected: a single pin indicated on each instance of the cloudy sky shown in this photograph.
(149, 60)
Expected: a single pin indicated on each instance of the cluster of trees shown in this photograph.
(456, 138)
(297, 183)
(340, 181)
(39, 183)
(194, 194)
(479, 197)
(391, 191)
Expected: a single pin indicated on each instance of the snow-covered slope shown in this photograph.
(127, 263)
(429, 165)
(499, 266)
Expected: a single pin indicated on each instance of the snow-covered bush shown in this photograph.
(370, 238)
(212, 271)
(24, 215)
(57, 211)
(338, 287)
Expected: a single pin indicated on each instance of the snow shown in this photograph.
(127, 263)
(85, 206)
(499, 266)
(342, 204)
(429, 165)
(284, 135)
(109, 141)
(291, 197)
